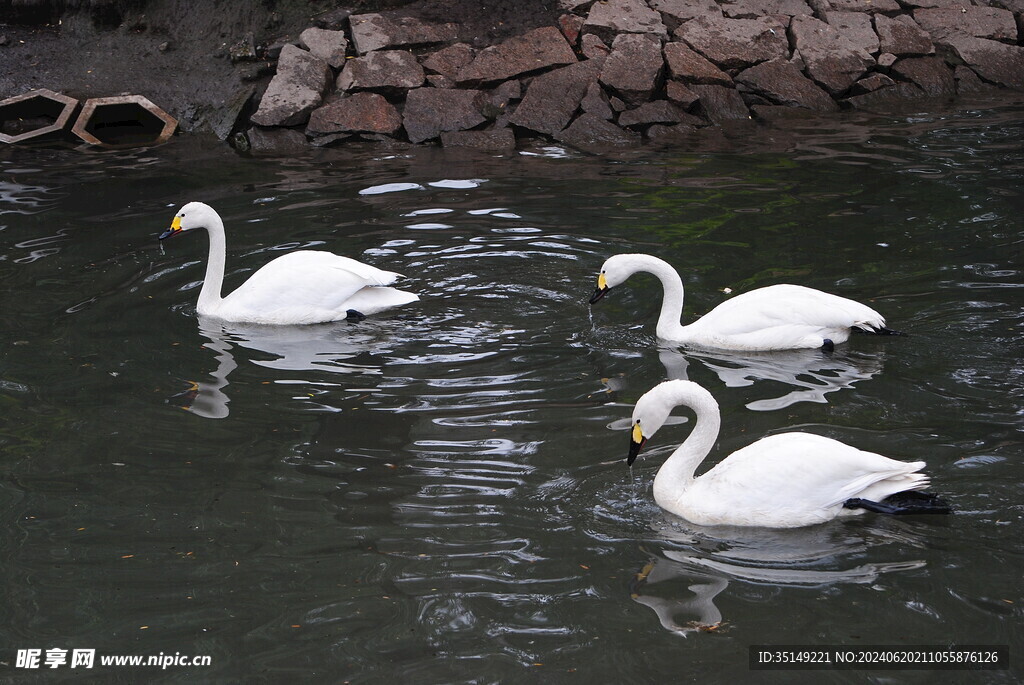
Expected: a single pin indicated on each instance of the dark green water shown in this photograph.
(438, 495)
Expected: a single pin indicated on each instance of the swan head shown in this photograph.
(615, 271)
(654, 407)
(191, 216)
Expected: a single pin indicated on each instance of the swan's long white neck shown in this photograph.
(210, 295)
(676, 474)
(669, 321)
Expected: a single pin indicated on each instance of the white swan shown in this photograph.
(302, 287)
(781, 481)
(778, 317)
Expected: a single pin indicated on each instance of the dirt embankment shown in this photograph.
(200, 61)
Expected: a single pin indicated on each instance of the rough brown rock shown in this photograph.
(297, 87)
(871, 83)
(613, 17)
(633, 69)
(376, 31)
(679, 94)
(494, 140)
(541, 48)
(570, 25)
(275, 141)
(830, 58)
(751, 9)
(359, 112)
(330, 46)
(552, 99)
(980, 22)
(857, 28)
(685, 10)
(592, 133)
(432, 111)
(685, 64)
(864, 5)
(388, 70)
(720, 104)
(993, 61)
(595, 101)
(931, 74)
(449, 60)
(885, 99)
(735, 43)
(782, 83)
(902, 36)
(656, 112)
(591, 46)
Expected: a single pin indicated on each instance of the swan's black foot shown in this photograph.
(354, 316)
(828, 346)
(903, 503)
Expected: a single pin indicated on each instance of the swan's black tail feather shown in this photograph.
(881, 330)
(902, 503)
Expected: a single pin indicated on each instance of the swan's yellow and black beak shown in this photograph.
(175, 229)
(602, 289)
(636, 442)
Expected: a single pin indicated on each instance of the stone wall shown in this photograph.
(618, 72)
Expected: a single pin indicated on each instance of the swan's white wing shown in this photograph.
(302, 287)
(780, 315)
(798, 479)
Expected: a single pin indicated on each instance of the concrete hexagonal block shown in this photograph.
(124, 121)
(34, 116)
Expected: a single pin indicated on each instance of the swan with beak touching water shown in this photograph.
(777, 317)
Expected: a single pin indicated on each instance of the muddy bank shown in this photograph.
(285, 75)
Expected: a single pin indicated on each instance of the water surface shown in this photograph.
(439, 494)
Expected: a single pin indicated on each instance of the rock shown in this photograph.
(439, 81)
(242, 51)
(432, 111)
(275, 141)
(359, 112)
(376, 31)
(633, 69)
(386, 70)
(886, 60)
(660, 134)
(330, 46)
(751, 9)
(968, 83)
(495, 140)
(685, 10)
(991, 60)
(929, 73)
(594, 134)
(295, 90)
(592, 47)
(448, 61)
(980, 22)
(720, 104)
(685, 64)
(571, 25)
(595, 102)
(614, 17)
(864, 6)
(228, 115)
(885, 99)
(857, 28)
(679, 94)
(540, 48)
(902, 36)
(333, 20)
(505, 93)
(831, 59)
(782, 83)
(735, 43)
(871, 83)
(656, 112)
(552, 99)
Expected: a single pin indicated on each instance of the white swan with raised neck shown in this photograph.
(786, 480)
(302, 287)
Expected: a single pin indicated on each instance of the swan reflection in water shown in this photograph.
(709, 559)
(333, 348)
(813, 373)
